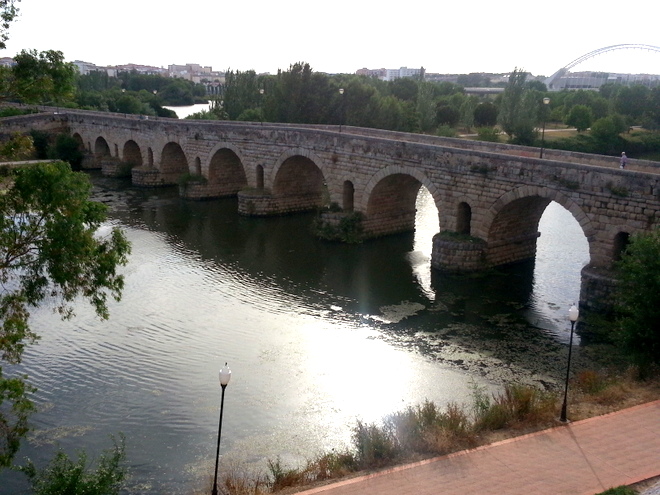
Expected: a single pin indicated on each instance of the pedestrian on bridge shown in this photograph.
(624, 160)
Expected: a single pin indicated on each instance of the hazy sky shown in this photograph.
(343, 35)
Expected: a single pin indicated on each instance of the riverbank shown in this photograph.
(592, 456)
(591, 395)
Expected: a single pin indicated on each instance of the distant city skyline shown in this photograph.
(339, 37)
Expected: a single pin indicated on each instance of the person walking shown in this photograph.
(624, 160)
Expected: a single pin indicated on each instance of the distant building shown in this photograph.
(196, 73)
(377, 73)
(564, 79)
(7, 61)
(391, 74)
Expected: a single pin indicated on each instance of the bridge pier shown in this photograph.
(89, 162)
(204, 190)
(115, 168)
(147, 177)
(458, 254)
(597, 289)
(261, 202)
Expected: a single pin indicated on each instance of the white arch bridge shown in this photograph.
(553, 83)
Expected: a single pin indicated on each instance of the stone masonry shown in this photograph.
(490, 197)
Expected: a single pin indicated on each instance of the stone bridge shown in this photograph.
(490, 197)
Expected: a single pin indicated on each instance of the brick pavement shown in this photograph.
(581, 458)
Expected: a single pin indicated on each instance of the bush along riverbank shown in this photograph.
(426, 430)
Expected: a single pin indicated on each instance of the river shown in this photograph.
(316, 334)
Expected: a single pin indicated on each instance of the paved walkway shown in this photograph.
(581, 458)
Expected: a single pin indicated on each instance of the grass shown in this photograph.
(426, 430)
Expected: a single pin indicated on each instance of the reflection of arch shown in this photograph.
(464, 219)
(132, 154)
(348, 196)
(511, 224)
(621, 241)
(173, 159)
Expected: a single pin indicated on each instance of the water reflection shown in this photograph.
(317, 334)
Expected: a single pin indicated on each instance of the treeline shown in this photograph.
(300, 95)
(44, 78)
(134, 93)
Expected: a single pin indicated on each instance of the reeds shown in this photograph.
(428, 430)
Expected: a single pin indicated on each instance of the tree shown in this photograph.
(8, 12)
(467, 111)
(43, 77)
(49, 249)
(447, 115)
(638, 297)
(632, 101)
(518, 109)
(485, 115)
(607, 130)
(425, 106)
(580, 117)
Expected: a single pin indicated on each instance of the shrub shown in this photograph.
(64, 476)
(284, 478)
(489, 134)
(619, 490)
(376, 446)
(590, 382)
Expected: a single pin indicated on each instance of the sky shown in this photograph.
(342, 36)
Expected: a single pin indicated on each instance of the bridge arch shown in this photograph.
(510, 225)
(101, 148)
(298, 181)
(132, 154)
(173, 163)
(390, 198)
(225, 169)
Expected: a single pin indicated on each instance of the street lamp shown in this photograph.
(546, 102)
(343, 110)
(225, 376)
(573, 314)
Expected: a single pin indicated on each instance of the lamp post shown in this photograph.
(546, 102)
(573, 314)
(343, 110)
(225, 376)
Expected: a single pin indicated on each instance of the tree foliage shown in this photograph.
(43, 77)
(65, 476)
(8, 12)
(638, 297)
(49, 250)
(518, 109)
(580, 117)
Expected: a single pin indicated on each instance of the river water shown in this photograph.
(316, 334)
